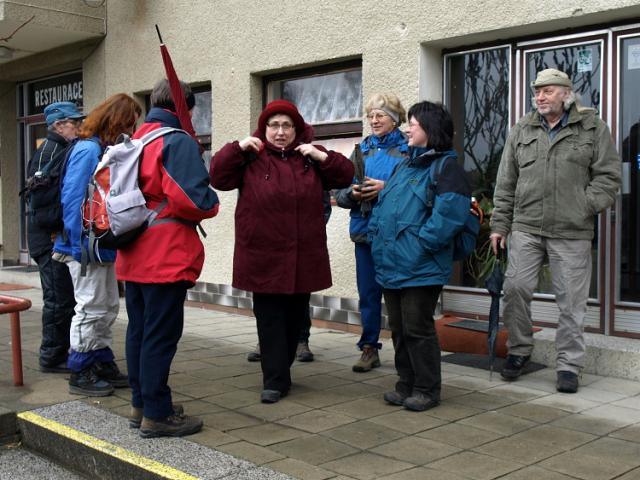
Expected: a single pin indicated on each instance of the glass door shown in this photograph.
(627, 287)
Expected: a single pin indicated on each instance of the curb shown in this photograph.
(8, 427)
(89, 455)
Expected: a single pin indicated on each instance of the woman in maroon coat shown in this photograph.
(281, 244)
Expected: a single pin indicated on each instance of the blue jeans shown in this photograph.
(370, 294)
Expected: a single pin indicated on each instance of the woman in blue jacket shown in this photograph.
(91, 360)
(381, 152)
(411, 232)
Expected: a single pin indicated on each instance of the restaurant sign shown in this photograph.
(64, 88)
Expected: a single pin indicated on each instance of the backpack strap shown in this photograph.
(435, 170)
(146, 139)
(157, 221)
(159, 132)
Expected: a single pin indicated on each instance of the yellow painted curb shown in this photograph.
(107, 448)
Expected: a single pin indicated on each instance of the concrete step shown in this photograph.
(100, 444)
(607, 356)
(19, 463)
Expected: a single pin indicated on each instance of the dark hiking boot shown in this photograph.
(255, 355)
(270, 396)
(87, 383)
(171, 426)
(395, 398)
(110, 372)
(303, 354)
(59, 368)
(419, 402)
(513, 366)
(368, 360)
(135, 417)
(567, 382)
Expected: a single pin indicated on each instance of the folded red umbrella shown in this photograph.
(177, 94)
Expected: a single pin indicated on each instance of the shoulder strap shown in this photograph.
(435, 169)
(159, 132)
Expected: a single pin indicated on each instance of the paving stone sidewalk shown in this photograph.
(335, 425)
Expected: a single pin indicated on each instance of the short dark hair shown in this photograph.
(161, 95)
(436, 121)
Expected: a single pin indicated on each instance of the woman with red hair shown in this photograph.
(91, 360)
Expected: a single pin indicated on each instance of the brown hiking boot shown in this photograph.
(135, 416)
(368, 360)
(171, 426)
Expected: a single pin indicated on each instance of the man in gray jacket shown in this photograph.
(559, 169)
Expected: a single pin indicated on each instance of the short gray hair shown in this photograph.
(161, 95)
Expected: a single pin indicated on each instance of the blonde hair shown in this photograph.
(387, 101)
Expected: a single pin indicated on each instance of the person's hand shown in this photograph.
(251, 143)
(370, 188)
(356, 193)
(309, 150)
(497, 238)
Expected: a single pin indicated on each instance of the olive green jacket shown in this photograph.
(554, 188)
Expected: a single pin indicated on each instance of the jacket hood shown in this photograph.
(395, 138)
(161, 115)
(421, 157)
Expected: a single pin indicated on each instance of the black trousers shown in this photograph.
(305, 328)
(279, 318)
(417, 350)
(156, 320)
(57, 311)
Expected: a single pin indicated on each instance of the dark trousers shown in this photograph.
(156, 319)
(305, 327)
(417, 350)
(279, 318)
(57, 311)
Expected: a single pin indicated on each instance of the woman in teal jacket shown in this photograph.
(381, 152)
(411, 232)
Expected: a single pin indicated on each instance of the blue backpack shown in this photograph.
(464, 242)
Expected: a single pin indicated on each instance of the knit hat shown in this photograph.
(281, 107)
(551, 76)
(61, 111)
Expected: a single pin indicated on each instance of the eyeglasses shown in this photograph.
(277, 126)
(376, 116)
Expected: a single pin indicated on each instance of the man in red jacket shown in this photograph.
(161, 264)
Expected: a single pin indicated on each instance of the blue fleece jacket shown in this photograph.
(380, 155)
(81, 164)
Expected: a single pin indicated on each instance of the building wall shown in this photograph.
(9, 177)
(233, 43)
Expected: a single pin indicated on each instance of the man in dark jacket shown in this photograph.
(63, 120)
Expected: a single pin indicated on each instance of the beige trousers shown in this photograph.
(570, 263)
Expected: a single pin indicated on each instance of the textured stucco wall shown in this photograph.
(233, 43)
(9, 175)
